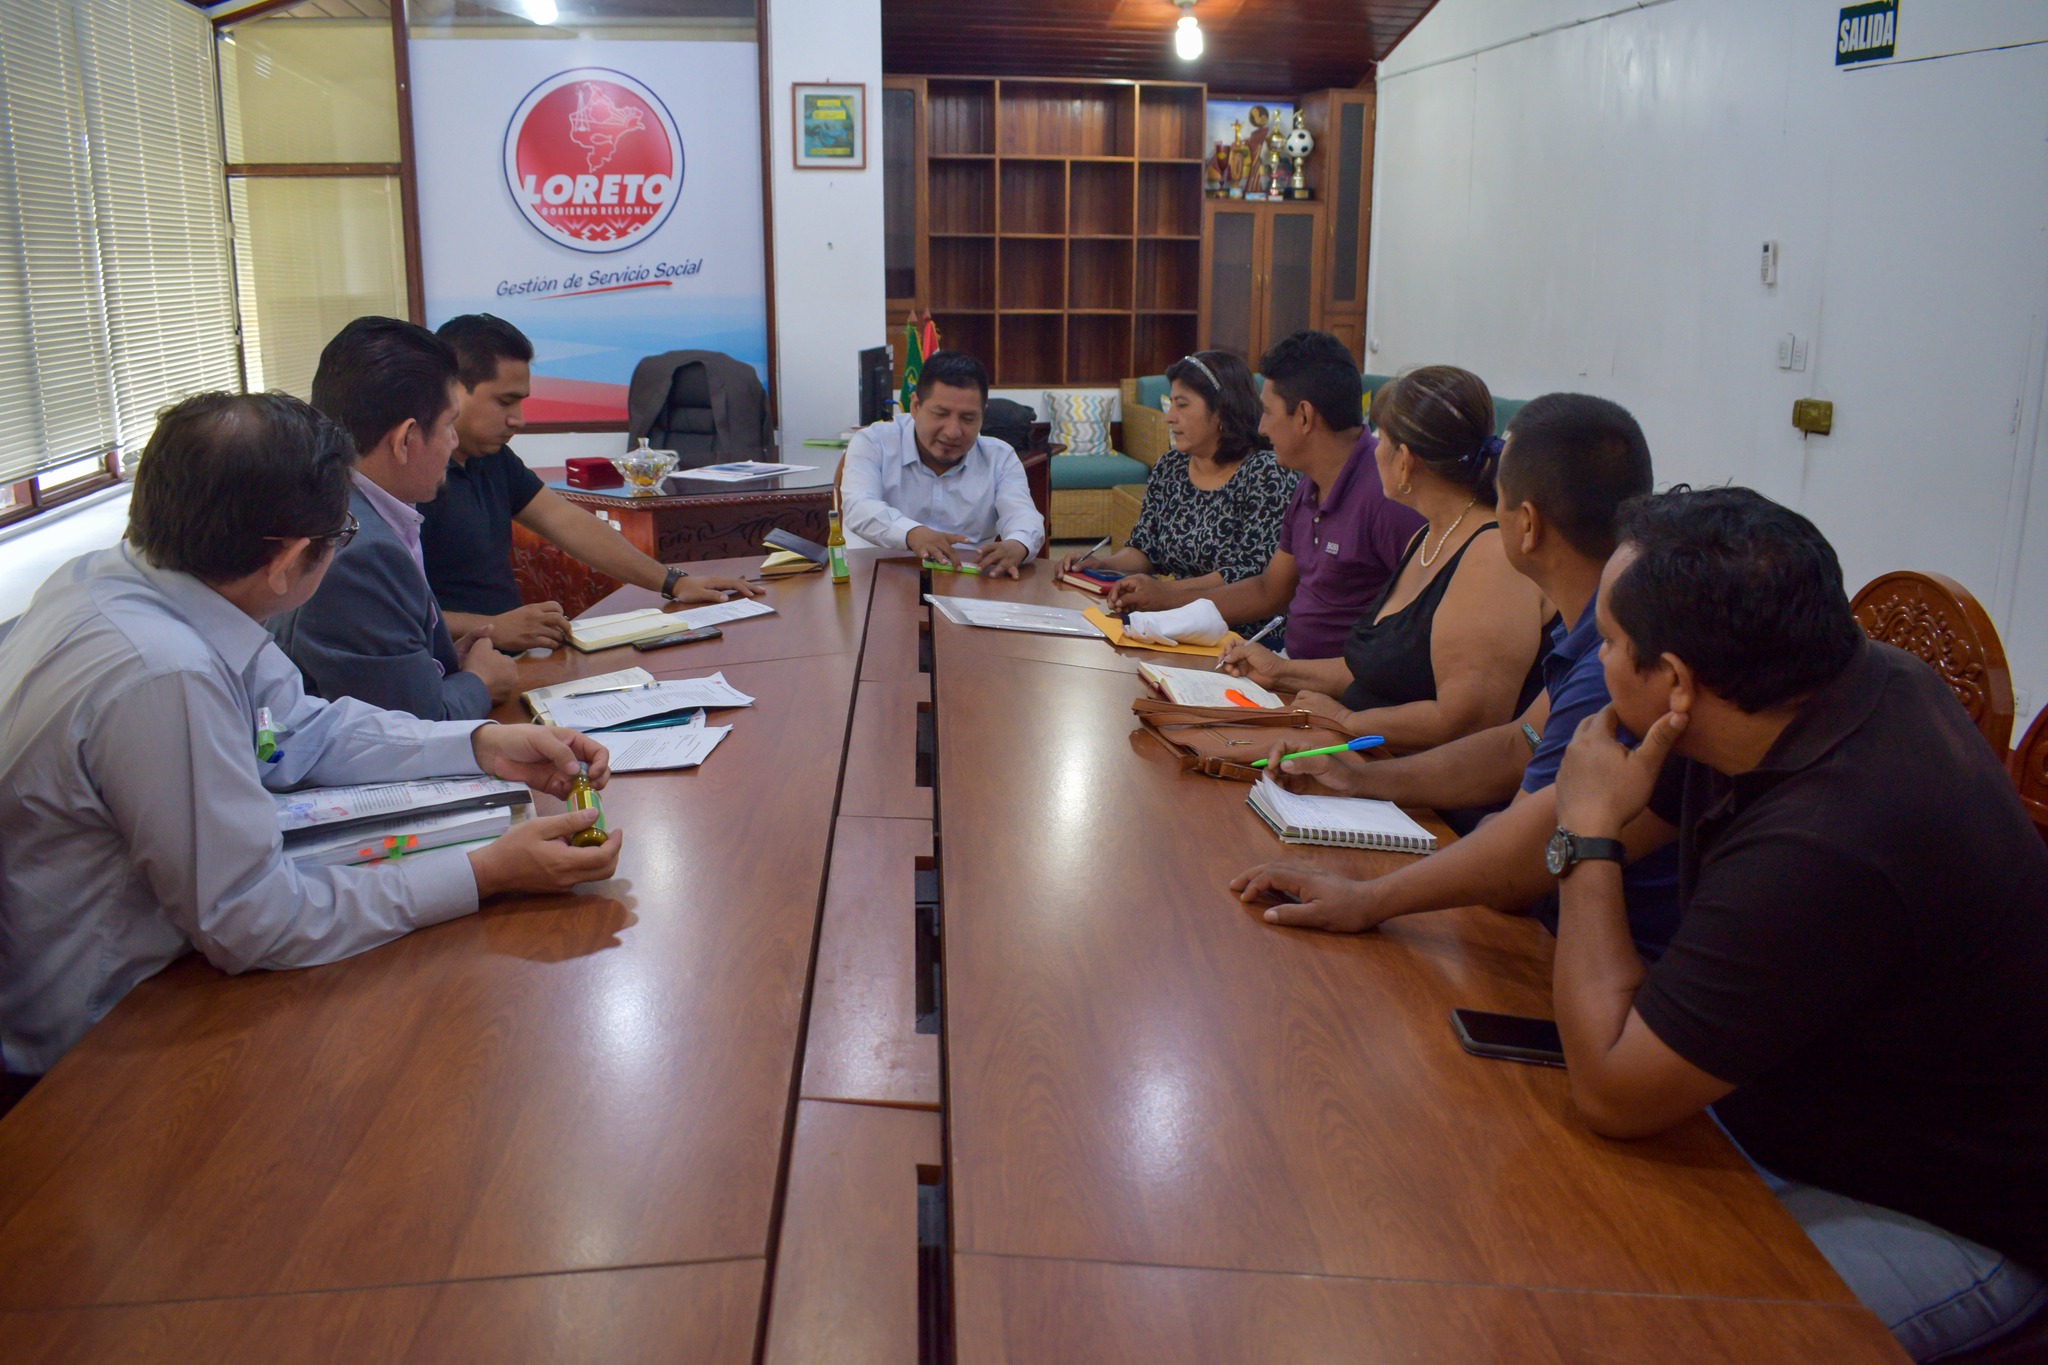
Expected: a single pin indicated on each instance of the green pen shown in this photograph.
(266, 736)
(1363, 742)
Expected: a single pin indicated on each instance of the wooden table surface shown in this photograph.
(616, 1126)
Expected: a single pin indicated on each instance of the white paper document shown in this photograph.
(404, 835)
(1024, 616)
(658, 698)
(538, 699)
(675, 746)
(317, 806)
(738, 471)
(1205, 687)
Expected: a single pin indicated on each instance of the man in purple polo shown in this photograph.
(1341, 538)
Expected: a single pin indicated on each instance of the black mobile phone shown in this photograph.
(683, 637)
(1515, 1037)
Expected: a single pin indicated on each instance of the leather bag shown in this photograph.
(1224, 741)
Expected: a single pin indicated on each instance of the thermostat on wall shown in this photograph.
(1770, 262)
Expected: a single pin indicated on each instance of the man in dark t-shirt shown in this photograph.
(1855, 984)
(466, 534)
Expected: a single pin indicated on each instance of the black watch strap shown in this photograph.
(668, 584)
(1587, 849)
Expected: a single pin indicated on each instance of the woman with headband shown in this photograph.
(1455, 642)
(1213, 503)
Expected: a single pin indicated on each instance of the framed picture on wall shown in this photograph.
(831, 127)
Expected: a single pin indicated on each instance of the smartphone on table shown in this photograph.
(1512, 1037)
(681, 637)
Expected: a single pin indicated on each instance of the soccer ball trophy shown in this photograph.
(1299, 145)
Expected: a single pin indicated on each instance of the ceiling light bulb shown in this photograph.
(541, 11)
(1187, 38)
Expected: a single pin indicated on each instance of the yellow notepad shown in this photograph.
(1113, 631)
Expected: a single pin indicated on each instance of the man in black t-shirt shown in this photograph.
(466, 538)
(1856, 983)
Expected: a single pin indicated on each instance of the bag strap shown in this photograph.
(1157, 711)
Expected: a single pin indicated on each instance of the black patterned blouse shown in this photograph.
(1233, 530)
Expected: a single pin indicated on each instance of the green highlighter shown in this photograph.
(940, 566)
(1355, 746)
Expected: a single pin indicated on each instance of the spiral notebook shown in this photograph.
(1338, 821)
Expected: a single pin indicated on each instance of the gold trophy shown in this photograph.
(1240, 161)
(1298, 146)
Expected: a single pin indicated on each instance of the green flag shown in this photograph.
(913, 364)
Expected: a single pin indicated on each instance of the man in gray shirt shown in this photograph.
(140, 824)
(373, 630)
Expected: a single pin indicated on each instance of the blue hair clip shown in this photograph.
(1491, 448)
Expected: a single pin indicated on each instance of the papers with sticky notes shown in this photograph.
(623, 628)
(676, 746)
(339, 808)
(396, 838)
(656, 698)
(1199, 687)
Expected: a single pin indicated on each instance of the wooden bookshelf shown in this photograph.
(1060, 223)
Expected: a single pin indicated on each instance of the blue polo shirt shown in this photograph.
(1577, 685)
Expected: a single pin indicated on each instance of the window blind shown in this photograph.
(114, 287)
(56, 392)
(160, 200)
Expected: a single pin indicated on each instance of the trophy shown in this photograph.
(1240, 162)
(1299, 145)
(1271, 159)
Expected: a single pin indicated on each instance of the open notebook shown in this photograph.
(1339, 821)
(1206, 687)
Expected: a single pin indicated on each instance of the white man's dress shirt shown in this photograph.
(888, 492)
(139, 823)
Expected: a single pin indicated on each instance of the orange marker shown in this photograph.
(1231, 694)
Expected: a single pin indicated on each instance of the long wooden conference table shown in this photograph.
(749, 1102)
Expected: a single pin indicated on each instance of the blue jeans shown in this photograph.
(1936, 1292)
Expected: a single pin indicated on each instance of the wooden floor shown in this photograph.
(749, 1101)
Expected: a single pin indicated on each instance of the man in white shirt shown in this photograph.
(140, 824)
(928, 480)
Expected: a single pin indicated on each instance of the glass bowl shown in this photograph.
(643, 470)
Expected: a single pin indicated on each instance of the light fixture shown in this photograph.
(1187, 34)
(542, 12)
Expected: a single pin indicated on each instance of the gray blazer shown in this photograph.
(371, 631)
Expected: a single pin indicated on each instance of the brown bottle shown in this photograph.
(583, 796)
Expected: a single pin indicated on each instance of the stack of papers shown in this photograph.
(649, 623)
(399, 837)
(739, 471)
(674, 746)
(1197, 687)
(538, 699)
(968, 611)
(337, 808)
(599, 709)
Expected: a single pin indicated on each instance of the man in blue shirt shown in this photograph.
(1570, 463)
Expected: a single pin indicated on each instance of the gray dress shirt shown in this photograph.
(138, 821)
(888, 492)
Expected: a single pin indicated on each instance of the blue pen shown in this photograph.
(1359, 745)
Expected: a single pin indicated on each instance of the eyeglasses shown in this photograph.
(338, 539)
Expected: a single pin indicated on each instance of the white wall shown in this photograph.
(1583, 208)
(829, 289)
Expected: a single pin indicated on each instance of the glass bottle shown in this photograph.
(583, 796)
(835, 551)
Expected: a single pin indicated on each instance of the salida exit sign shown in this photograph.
(1867, 33)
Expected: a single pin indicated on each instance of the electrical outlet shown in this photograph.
(1770, 263)
(1785, 345)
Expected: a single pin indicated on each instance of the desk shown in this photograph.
(586, 1127)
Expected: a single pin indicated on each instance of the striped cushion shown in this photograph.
(1080, 422)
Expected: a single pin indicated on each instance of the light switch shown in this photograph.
(1799, 353)
(1785, 345)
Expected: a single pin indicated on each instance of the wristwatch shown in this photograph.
(1566, 850)
(668, 584)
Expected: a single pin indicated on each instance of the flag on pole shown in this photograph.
(920, 341)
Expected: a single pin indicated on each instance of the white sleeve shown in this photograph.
(1017, 517)
(171, 757)
(348, 741)
(860, 497)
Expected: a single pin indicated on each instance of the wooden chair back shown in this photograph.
(2030, 772)
(1936, 619)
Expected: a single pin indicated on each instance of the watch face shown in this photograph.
(1557, 854)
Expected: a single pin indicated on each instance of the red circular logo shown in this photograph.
(593, 159)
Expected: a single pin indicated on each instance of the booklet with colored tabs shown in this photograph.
(396, 838)
(335, 809)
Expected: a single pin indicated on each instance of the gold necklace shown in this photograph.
(1429, 559)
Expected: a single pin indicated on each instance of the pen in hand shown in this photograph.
(1262, 633)
(1355, 746)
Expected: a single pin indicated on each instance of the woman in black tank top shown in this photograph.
(1455, 642)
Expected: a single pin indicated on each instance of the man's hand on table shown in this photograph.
(1310, 898)
(702, 591)
(478, 651)
(1001, 560)
(940, 547)
(537, 625)
(536, 855)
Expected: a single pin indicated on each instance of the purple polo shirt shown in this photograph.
(1346, 545)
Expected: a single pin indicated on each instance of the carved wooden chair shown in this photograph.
(2030, 772)
(1936, 619)
(545, 574)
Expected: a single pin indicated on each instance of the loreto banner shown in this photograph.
(603, 196)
